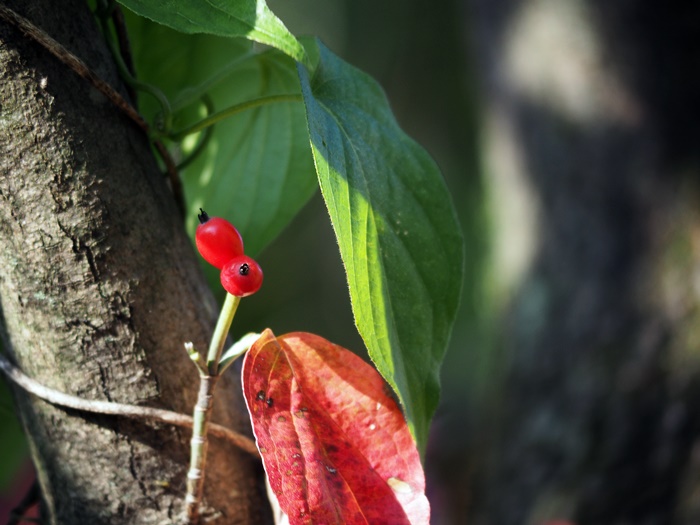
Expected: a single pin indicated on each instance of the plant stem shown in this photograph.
(202, 410)
(127, 75)
(198, 446)
(218, 340)
(206, 136)
(233, 110)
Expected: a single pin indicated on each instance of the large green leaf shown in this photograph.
(251, 19)
(397, 230)
(257, 168)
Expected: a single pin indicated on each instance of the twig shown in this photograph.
(208, 377)
(82, 70)
(118, 409)
(198, 446)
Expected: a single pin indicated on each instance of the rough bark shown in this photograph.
(588, 108)
(99, 289)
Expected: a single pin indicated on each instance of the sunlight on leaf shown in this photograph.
(250, 19)
(396, 227)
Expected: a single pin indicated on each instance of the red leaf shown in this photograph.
(335, 446)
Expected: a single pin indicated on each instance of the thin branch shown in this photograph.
(198, 447)
(118, 409)
(203, 408)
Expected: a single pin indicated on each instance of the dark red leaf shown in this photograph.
(335, 446)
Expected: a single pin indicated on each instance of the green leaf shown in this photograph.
(257, 168)
(396, 227)
(251, 19)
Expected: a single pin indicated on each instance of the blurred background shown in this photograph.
(569, 135)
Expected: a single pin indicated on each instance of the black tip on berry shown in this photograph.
(244, 269)
(203, 217)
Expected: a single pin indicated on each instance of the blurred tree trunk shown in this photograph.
(99, 289)
(592, 140)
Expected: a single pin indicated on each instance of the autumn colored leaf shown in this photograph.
(335, 445)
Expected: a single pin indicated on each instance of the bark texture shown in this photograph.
(99, 289)
(595, 160)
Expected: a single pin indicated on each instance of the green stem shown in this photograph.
(142, 86)
(218, 340)
(206, 136)
(233, 110)
(129, 78)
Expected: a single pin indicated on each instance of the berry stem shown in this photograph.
(218, 340)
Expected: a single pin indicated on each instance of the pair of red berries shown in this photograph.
(219, 242)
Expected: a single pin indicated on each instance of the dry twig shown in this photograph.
(118, 409)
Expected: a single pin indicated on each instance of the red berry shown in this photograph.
(218, 241)
(241, 276)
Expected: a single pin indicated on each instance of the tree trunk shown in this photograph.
(592, 135)
(99, 289)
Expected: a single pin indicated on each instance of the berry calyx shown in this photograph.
(218, 241)
(241, 276)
